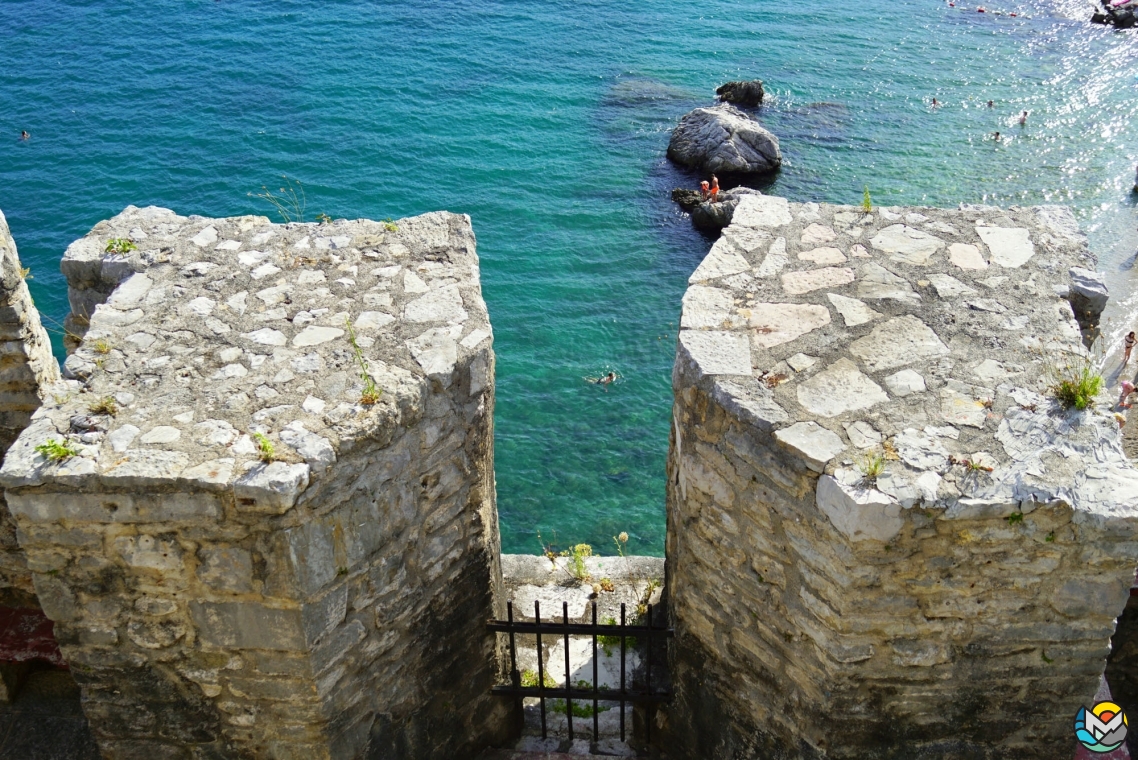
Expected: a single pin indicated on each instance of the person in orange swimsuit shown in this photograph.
(714, 188)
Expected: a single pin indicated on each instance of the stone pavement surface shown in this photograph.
(46, 721)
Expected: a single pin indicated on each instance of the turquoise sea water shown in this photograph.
(547, 122)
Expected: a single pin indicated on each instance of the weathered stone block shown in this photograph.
(887, 516)
(221, 537)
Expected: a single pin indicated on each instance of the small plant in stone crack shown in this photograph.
(528, 680)
(105, 405)
(576, 565)
(1075, 377)
(871, 467)
(1050, 537)
(549, 550)
(26, 273)
(971, 465)
(390, 225)
(621, 540)
(323, 218)
(120, 245)
(289, 201)
(866, 201)
(371, 392)
(101, 346)
(1015, 518)
(608, 642)
(642, 605)
(57, 450)
(265, 449)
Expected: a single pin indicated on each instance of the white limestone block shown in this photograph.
(862, 434)
(838, 389)
(816, 234)
(853, 311)
(900, 341)
(814, 443)
(948, 286)
(706, 307)
(773, 324)
(442, 305)
(907, 245)
(1010, 247)
(861, 514)
(904, 383)
(722, 260)
(762, 211)
(718, 353)
(797, 283)
(966, 256)
(775, 260)
(878, 283)
(823, 255)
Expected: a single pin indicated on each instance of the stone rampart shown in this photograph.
(261, 509)
(27, 368)
(886, 538)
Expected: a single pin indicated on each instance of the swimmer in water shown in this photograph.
(996, 137)
(1023, 119)
(990, 104)
(603, 379)
(24, 135)
(935, 104)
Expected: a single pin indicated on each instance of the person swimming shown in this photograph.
(24, 135)
(1023, 119)
(603, 379)
(990, 104)
(935, 103)
(996, 137)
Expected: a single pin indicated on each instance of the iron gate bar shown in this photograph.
(581, 629)
(596, 730)
(568, 680)
(622, 670)
(569, 693)
(540, 665)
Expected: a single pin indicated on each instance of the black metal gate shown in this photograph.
(648, 694)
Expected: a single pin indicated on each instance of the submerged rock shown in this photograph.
(746, 94)
(725, 140)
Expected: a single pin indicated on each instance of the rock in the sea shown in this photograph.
(746, 94)
(711, 216)
(688, 199)
(724, 140)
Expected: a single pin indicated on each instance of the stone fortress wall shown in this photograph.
(245, 554)
(328, 598)
(27, 369)
(885, 538)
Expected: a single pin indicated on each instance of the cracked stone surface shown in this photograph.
(895, 487)
(266, 532)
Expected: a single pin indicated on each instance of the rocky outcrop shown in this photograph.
(261, 512)
(708, 216)
(1088, 296)
(724, 140)
(745, 94)
(876, 507)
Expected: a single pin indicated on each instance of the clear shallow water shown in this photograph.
(547, 123)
